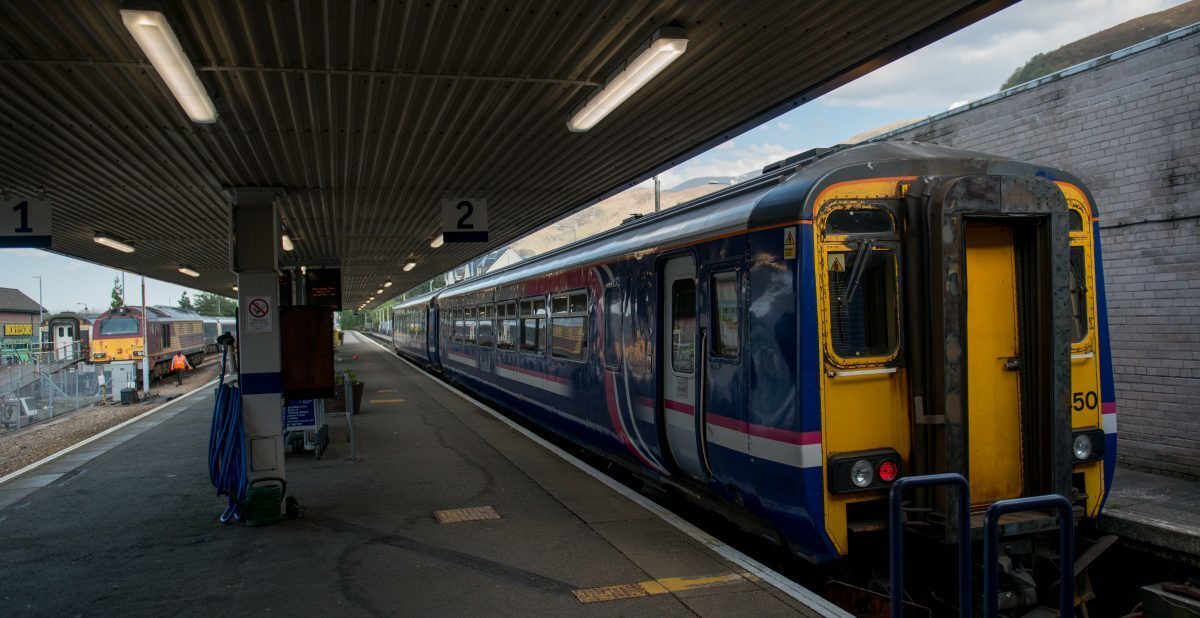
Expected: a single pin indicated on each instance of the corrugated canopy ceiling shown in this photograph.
(368, 112)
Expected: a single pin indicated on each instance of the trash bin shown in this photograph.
(128, 396)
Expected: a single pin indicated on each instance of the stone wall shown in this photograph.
(1129, 126)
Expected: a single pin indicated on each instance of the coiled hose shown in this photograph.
(226, 457)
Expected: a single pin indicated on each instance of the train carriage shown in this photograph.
(118, 335)
(790, 346)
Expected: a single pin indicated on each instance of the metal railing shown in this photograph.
(38, 383)
(896, 537)
(1066, 549)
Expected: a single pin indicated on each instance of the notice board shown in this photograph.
(306, 344)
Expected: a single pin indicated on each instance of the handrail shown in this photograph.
(1066, 549)
(896, 537)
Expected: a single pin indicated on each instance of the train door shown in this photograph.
(993, 362)
(678, 342)
(64, 339)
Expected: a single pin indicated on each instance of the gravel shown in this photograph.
(21, 448)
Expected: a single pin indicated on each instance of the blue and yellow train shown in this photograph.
(784, 349)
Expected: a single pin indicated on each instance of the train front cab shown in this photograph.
(961, 329)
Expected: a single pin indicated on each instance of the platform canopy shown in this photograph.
(367, 113)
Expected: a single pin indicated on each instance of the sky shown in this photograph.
(967, 65)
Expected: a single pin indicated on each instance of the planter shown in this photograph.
(338, 402)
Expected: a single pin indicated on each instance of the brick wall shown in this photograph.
(1129, 126)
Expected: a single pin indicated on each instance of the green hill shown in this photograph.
(1106, 42)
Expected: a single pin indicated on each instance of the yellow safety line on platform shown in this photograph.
(386, 401)
(387, 390)
(658, 586)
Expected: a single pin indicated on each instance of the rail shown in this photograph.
(1066, 549)
(896, 537)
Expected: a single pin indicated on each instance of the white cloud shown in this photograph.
(783, 126)
(973, 63)
(732, 161)
(726, 145)
(24, 253)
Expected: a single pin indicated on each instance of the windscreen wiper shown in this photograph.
(860, 261)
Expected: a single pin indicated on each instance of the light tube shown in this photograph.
(664, 48)
(410, 265)
(437, 242)
(189, 272)
(154, 35)
(287, 243)
(113, 243)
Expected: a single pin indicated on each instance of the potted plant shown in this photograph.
(338, 403)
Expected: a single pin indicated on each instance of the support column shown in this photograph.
(254, 256)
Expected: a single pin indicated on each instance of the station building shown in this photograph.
(19, 315)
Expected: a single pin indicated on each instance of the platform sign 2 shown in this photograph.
(25, 222)
(300, 414)
(464, 219)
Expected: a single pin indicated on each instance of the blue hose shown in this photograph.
(226, 457)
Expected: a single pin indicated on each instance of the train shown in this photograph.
(214, 327)
(785, 349)
(118, 335)
(67, 335)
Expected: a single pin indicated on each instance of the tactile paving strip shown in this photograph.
(610, 593)
(472, 513)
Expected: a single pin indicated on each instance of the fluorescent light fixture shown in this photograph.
(235, 288)
(409, 265)
(188, 271)
(387, 284)
(111, 242)
(437, 242)
(287, 243)
(379, 291)
(154, 35)
(664, 47)
(304, 270)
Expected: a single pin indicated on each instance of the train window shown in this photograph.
(862, 302)
(119, 326)
(725, 314)
(166, 336)
(533, 326)
(485, 325)
(1078, 292)
(507, 332)
(469, 325)
(612, 327)
(460, 326)
(568, 326)
(859, 221)
(1076, 220)
(683, 325)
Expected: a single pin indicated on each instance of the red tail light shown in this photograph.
(888, 470)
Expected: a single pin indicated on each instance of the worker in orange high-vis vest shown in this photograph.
(178, 364)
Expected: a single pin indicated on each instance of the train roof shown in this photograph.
(784, 193)
(158, 313)
(83, 316)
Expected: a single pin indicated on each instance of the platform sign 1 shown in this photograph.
(464, 219)
(300, 414)
(25, 222)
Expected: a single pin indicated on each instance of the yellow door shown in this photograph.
(993, 381)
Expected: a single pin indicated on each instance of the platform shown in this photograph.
(128, 524)
(1160, 511)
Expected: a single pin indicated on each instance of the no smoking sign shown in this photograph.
(258, 314)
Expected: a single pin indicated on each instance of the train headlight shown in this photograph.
(862, 470)
(862, 473)
(1087, 445)
(1082, 447)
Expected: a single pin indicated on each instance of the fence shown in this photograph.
(38, 385)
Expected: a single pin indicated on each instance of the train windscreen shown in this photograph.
(119, 326)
